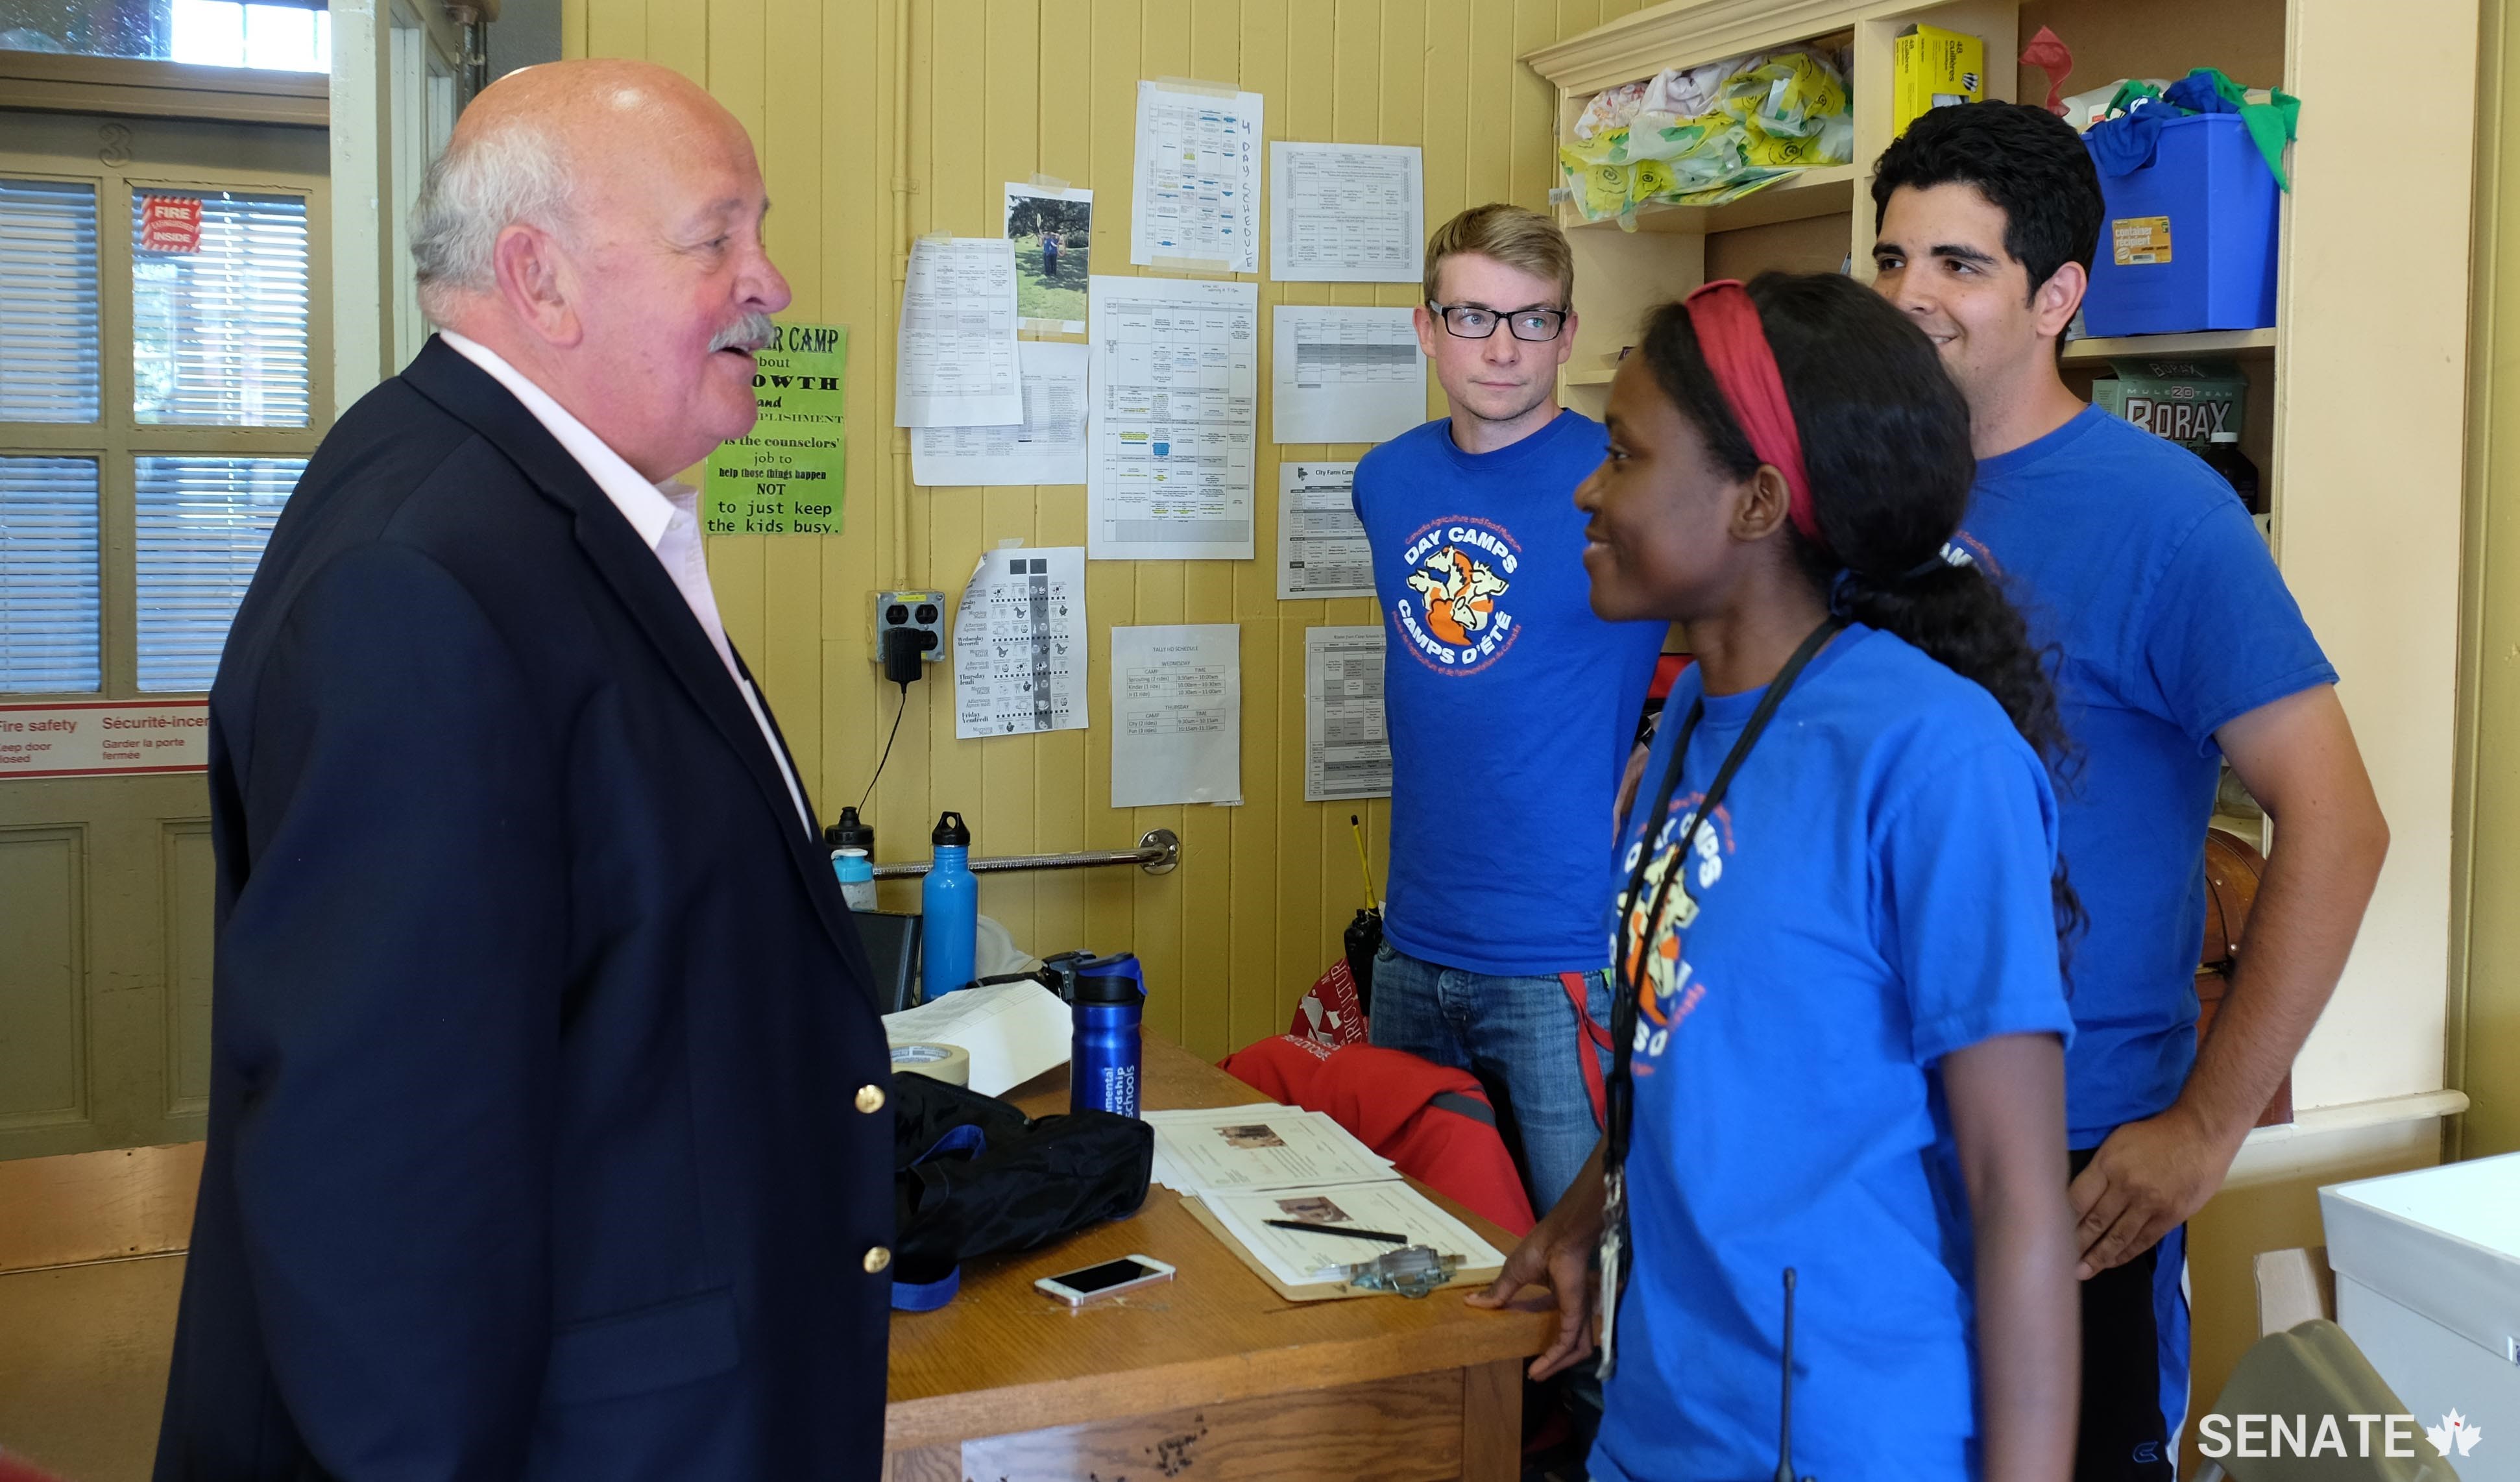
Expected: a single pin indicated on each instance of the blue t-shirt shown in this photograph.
(1512, 708)
(2142, 568)
(1871, 895)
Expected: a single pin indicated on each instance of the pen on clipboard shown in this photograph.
(1350, 1230)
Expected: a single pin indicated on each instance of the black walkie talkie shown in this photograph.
(1785, 1418)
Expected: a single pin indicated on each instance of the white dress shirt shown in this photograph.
(666, 517)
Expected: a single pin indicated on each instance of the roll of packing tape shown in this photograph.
(950, 1063)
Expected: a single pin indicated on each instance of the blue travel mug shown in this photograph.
(1102, 1059)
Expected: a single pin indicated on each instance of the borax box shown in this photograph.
(2186, 401)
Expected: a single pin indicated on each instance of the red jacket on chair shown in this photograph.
(1433, 1123)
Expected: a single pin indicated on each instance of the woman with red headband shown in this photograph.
(1839, 1075)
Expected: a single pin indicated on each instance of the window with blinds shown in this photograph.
(48, 301)
(218, 335)
(51, 609)
(202, 524)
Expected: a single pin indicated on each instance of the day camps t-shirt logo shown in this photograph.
(1459, 567)
(1672, 989)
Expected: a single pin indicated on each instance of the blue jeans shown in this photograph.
(1514, 1032)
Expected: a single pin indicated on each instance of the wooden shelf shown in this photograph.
(2242, 344)
(1825, 191)
(1594, 378)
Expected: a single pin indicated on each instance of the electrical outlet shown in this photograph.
(920, 614)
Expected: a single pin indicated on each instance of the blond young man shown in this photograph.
(1512, 707)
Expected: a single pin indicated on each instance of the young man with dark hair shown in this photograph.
(2177, 644)
(1511, 705)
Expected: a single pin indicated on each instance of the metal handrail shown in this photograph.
(1158, 851)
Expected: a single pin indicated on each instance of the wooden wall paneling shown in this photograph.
(1445, 68)
(1489, 158)
(573, 28)
(679, 35)
(617, 27)
(1534, 108)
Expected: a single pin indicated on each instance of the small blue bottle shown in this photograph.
(857, 878)
(1102, 1058)
(949, 907)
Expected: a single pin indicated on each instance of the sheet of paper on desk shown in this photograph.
(1019, 643)
(1177, 714)
(1048, 447)
(1214, 1150)
(1347, 750)
(1345, 375)
(1345, 212)
(1322, 549)
(1299, 1257)
(958, 366)
(1012, 1031)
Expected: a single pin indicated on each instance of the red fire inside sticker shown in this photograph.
(170, 223)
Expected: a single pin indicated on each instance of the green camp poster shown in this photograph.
(791, 475)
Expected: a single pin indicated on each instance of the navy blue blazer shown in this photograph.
(537, 1141)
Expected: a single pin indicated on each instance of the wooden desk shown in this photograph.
(1210, 1375)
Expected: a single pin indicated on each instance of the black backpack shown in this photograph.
(973, 1175)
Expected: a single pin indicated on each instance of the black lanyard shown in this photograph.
(1630, 973)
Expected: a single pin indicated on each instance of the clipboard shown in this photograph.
(1315, 1291)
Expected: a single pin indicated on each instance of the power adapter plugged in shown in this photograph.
(904, 655)
(909, 631)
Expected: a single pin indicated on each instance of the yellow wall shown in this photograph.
(2485, 1045)
(1000, 90)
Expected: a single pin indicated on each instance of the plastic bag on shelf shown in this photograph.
(1703, 135)
(1610, 109)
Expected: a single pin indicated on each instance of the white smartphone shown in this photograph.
(1108, 1279)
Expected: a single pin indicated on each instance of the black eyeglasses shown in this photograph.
(1474, 321)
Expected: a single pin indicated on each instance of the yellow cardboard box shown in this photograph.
(1929, 67)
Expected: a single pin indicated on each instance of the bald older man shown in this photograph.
(548, 1124)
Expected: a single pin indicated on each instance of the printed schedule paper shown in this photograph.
(1177, 715)
(1346, 212)
(1019, 645)
(1347, 752)
(1175, 378)
(958, 367)
(1048, 447)
(1197, 189)
(1345, 375)
(1322, 549)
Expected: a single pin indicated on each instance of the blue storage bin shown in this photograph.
(2189, 241)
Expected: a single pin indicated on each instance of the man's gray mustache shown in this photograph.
(751, 333)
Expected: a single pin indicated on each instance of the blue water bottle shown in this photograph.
(949, 908)
(1102, 1059)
